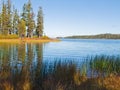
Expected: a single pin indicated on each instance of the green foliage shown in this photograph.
(15, 22)
(9, 36)
(39, 27)
(10, 20)
(45, 37)
(28, 16)
(4, 20)
(105, 65)
(31, 28)
(21, 28)
(0, 21)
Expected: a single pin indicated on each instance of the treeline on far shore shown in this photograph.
(99, 36)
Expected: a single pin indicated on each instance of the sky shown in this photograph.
(77, 17)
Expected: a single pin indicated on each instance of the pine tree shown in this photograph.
(21, 28)
(9, 14)
(0, 24)
(39, 28)
(24, 14)
(15, 21)
(30, 20)
(4, 20)
(31, 25)
(28, 16)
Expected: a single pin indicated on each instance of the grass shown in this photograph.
(28, 40)
(105, 65)
(63, 76)
(16, 39)
(9, 37)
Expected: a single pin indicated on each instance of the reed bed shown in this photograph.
(105, 65)
(63, 75)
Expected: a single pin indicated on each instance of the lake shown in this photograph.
(79, 48)
(76, 50)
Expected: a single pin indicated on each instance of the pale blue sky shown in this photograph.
(77, 17)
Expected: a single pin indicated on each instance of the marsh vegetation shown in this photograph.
(62, 76)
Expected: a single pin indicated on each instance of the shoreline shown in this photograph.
(28, 40)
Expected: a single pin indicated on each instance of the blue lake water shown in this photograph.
(67, 49)
(81, 48)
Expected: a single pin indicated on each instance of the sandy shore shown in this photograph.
(28, 40)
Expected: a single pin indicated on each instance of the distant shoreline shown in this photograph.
(28, 40)
(98, 36)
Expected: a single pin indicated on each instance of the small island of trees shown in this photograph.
(19, 25)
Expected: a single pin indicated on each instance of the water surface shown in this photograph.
(67, 49)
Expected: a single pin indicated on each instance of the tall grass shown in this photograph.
(105, 65)
(63, 76)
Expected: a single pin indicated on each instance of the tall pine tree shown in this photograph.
(39, 27)
(24, 13)
(9, 14)
(31, 22)
(21, 28)
(28, 16)
(15, 21)
(4, 20)
(0, 24)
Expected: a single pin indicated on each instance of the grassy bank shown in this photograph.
(62, 76)
(16, 39)
(9, 36)
(28, 40)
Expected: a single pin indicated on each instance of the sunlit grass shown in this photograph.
(27, 40)
(17, 39)
(9, 36)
